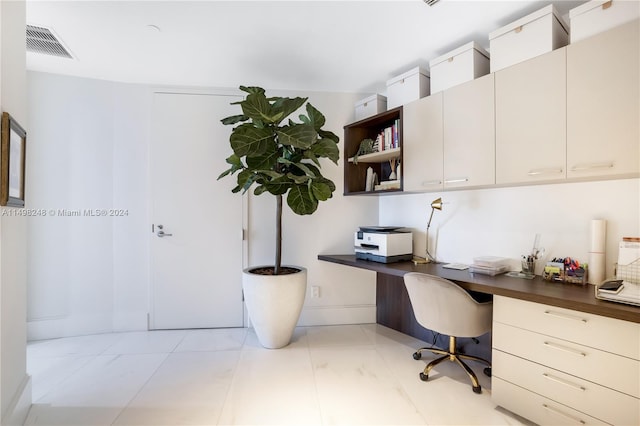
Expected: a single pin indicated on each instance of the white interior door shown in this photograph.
(196, 267)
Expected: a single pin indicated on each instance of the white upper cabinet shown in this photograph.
(603, 104)
(422, 144)
(469, 134)
(531, 117)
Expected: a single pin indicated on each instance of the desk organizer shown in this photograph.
(559, 273)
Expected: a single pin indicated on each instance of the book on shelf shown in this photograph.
(388, 138)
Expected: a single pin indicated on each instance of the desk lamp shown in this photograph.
(435, 205)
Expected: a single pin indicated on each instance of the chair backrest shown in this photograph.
(443, 306)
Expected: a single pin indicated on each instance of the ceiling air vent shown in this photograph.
(42, 40)
(431, 2)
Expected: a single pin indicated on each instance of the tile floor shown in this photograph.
(352, 374)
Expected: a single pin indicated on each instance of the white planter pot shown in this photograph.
(274, 303)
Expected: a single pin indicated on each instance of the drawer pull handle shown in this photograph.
(565, 349)
(565, 316)
(592, 166)
(565, 415)
(564, 382)
(431, 182)
(548, 171)
(457, 180)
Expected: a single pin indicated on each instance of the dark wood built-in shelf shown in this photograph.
(355, 174)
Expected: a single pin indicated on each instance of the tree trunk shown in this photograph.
(278, 234)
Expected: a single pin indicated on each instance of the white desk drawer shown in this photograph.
(595, 400)
(536, 408)
(614, 371)
(608, 334)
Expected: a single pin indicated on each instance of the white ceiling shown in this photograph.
(343, 46)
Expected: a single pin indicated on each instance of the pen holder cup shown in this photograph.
(528, 266)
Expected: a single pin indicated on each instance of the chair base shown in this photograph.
(453, 355)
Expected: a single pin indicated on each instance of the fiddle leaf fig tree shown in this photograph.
(280, 157)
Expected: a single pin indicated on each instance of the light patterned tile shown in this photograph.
(223, 339)
(188, 389)
(272, 387)
(356, 387)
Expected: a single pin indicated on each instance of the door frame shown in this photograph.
(177, 90)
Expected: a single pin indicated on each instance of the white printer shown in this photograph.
(384, 244)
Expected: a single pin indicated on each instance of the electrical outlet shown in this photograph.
(315, 291)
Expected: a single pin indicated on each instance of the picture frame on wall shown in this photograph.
(12, 162)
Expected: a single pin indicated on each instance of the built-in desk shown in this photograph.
(393, 302)
(558, 353)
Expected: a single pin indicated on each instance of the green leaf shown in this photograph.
(259, 190)
(299, 135)
(257, 107)
(316, 117)
(246, 179)
(326, 148)
(246, 140)
(304, 168)
(236, 164)
(278, 186)
(311, 156)
(325, 134)
(298, 179)
(266, 161)
(286, 106)
(321, 190)
(234, 119)
(252, 89)
(300, 200)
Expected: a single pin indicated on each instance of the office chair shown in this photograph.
(444, 307)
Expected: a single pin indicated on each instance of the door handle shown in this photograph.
(161, 233)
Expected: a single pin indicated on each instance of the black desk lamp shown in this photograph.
(435, 205)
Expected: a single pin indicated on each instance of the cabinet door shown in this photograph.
(531, 120)
(469, 134)
(422, 144)
(603, 101)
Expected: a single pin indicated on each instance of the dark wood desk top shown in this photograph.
(579, 298)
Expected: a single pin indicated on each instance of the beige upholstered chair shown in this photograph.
(444, 307)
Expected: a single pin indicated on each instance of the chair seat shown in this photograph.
(443, 306)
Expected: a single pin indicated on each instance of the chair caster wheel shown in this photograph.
(477, 389)
(424, 377)
(417, 355)
(487, 371)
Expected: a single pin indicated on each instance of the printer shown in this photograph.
(384, 244)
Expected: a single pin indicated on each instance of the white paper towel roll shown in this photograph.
(597, 255)
(596, 268)
(598, 236)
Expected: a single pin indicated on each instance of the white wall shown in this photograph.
(15, 384)
(89, 274)
(504, 221)
(71, 255)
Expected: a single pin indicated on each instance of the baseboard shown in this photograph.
(77, 325)
(20, 404)
(337, 315)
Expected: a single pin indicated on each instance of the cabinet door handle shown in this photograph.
(546, 171)
(458, 180)
(565, 349)
(431, 182)
(592, 166)
(565, 316)
(565, 415)
(564, 382)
